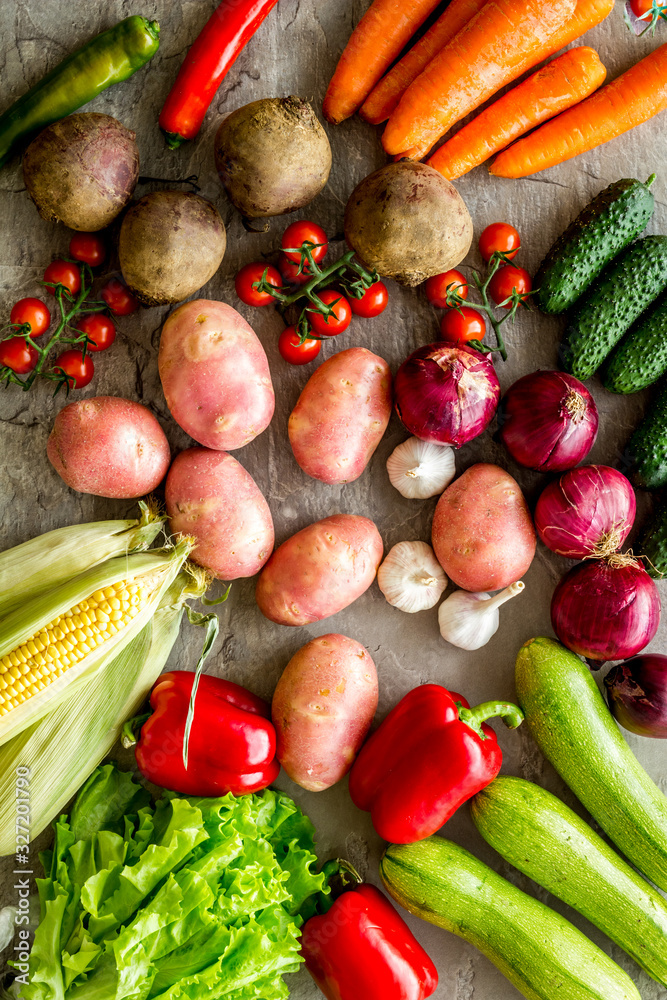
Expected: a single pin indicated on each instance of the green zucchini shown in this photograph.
(647, 449)
(544, 839)
(611, 305)
(612, 220)
(571, 724)
(537, 949)
(653, 543)
(641, 357)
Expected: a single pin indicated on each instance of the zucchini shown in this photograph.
(544, 839)
(571, 724)
(612, 304)
(647, 449)
(653, 543)
(641, 357)
(612, 220)
(537, 949)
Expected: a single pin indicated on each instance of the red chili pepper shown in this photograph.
(232, 744)
(430, 755)
(361, 949)
(211, 56)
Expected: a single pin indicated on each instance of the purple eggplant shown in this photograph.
(637, 694)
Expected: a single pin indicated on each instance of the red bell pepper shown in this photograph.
(431, 754)
(232, 745)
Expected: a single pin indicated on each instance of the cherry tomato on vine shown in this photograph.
(79, 370)
(302, 232)
(506, 280)
(89, 248)
(119, 298)
(461, 326)
(330, 326)
(32, 313)
(499, 237)
(372, 302)
(252, 273)
(641, 7)
(99, 329)
(437, 285)
(61, 272)
(293, 351)
(17, 354)
(290, 271)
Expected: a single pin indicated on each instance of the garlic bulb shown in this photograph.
(470, 620)
(411, 578)
(421, 469)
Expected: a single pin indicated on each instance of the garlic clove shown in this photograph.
(421, 469)
(411, 578)
(470, 620)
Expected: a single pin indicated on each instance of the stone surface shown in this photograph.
(295, 52)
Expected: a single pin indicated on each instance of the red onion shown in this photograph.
(587, 512)
(446, 394)
(548, 421)
(637, 693)
(606, 609)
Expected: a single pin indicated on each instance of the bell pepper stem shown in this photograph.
(511, 715)
(130, 734)
(343, 875)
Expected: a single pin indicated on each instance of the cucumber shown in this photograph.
(647, 449)
(544, 839)
(571, 724)
(641, 357)
(611, 305)
(537, 949)
(612, 220)
(653, 543)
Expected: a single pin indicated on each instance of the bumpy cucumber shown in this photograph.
(570, 722)
(653, 543)
(611, 305)
(537, 949)
(647, 449)
(641, 357)
(544, 839)
(612, 220)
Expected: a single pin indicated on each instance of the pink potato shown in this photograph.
(215, 375)
(483, 534)
(320, 570)
(341, 415)
(108, 446)
(211, 496)
(322, 709)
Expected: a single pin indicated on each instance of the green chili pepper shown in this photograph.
(108, 58)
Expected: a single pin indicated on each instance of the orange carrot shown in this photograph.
(564, 82)
(627, 101)
(387, 93)
(384, 30)
(586, 16)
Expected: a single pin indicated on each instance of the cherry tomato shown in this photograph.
(294, 352)
(290, 271)
(247, 277)
(302, 232)
(32, 313)
(499, 237)
(119, 298)
(437, 285)
(17, 354)
(99, 329)
(61, 272)
(89, 248)
(372, 302)
(641, 7)
(79, 370)
(330, 326)
(506, 280)
(458, 327)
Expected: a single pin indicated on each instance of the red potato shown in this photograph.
(108, 446)
(322, 709)
(211, 496)
(215, 375)
(320, 570)
(341, 415)
(483, 534)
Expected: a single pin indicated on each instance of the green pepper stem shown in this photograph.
(347, 876)
(511, 715)
(129, 736)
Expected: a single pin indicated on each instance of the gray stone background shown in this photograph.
(295, 52)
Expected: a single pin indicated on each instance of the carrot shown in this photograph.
(555, 87)
(587, 15)
(384, 30)
(387, 93)
(627, 101)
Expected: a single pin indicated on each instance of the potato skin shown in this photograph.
(322, 709)
(320, 570)
(215, 375)
(341, 415)
(211, 496)
(109, 447)
(483, 534)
